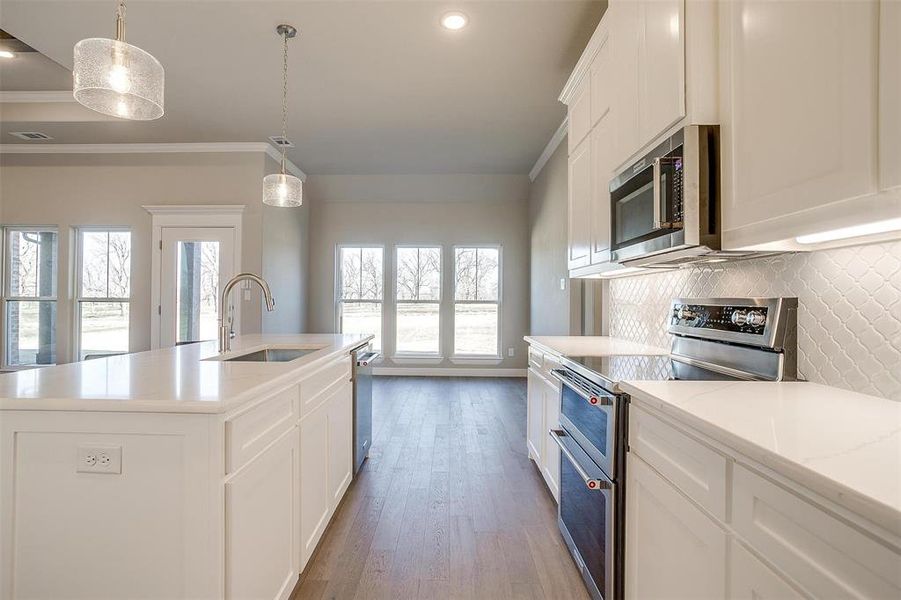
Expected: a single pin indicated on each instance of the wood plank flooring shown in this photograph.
(448, 504)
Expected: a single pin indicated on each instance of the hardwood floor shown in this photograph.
(448, 505)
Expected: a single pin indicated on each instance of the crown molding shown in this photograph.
(36, 97)
(162, 148)
(579, 71)
(549, 150)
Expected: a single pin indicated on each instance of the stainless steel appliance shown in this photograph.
(713, 339)
(362, 380)
(665, 208)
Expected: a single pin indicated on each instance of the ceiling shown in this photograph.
(375, 87)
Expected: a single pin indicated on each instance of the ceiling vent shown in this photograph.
(281, 141)
(31, 136)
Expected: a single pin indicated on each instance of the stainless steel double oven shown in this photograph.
(591, 470)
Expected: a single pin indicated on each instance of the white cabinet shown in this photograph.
(261, 528)
(580, 206)
(550, 464)
(602, 146)
(543, 414)
(579, 115)
(661, 66)
(673, 550)
(340, 443)
(750, 579)
(314, 470)
(535, 416)
(799, 117)
(890, 95)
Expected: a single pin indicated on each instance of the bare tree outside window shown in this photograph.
(104, 291)
(359, 305)
(30, 294)
(418, 286)
(476, 301)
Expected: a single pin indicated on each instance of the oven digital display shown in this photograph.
(738, 319)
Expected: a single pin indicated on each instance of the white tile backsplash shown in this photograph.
(849, 317)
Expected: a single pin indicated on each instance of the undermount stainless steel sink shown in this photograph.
(272, 355)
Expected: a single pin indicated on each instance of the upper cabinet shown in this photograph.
(579, 205)
(810, 119)
(661, 66)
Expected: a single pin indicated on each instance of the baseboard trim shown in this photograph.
(448, 372)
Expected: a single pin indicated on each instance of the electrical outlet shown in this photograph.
(99, 459)
(510, 351)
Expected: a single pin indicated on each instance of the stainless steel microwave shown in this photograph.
(665, 208)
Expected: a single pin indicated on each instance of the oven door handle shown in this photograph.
(590, 482)
(558, 374)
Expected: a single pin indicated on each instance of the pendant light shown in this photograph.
(281, 189)
(118, 79)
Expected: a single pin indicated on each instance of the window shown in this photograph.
(104, 290)
(360, 278)
(418, 300)
(476, 301)
(29, 295)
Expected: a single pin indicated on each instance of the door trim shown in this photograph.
(185, 215)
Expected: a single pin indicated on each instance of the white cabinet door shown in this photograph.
(261, 529)
(889, 95)
(580, 206)
(340, 443)
(602, 92)
(603, 146)
(673, 550)
(798, 107)
(579, 112)
(315, 504)
(661, 66)
(753, 580)
(625, 38)
(550, 464)
(535, 416)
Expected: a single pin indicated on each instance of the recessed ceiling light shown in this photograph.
(454, 20)
(7, 54)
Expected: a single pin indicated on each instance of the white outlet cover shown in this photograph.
(99, 459)
(562, 284)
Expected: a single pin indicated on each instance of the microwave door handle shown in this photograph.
(590, 482)
(658, 208)
(591, 399)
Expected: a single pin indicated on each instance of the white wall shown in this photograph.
(553, 311)
(423, 209)
(69, 191)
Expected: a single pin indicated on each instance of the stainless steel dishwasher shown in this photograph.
(362, 378)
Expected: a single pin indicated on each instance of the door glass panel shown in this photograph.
(197, 291)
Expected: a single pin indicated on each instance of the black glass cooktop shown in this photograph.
(645, 368)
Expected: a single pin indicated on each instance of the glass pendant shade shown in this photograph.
(118, 79)
(284, 190)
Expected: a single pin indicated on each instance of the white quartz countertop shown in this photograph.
(591, 345)
(843, 445)
(169, 380)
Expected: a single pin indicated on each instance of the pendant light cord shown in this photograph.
(120, 21)
(285, 102)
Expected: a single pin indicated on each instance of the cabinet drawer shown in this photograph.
(251, 431)
(535, 358)
(822, 553)
(314, 388)
(699, 471)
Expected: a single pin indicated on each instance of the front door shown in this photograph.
(196, 263)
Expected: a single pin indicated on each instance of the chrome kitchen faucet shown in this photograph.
(226, 331)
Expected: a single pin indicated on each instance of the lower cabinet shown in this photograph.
(261, 541)
(326, 464)
(750, 579)
(543, 415)
(673, 550)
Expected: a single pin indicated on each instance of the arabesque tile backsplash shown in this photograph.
(849, 317)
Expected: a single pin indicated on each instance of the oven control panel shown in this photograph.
(738, 319)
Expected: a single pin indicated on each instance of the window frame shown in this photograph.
(339, 288)
(499, 303)
(6, 296)
(78, 298)
(411, 354)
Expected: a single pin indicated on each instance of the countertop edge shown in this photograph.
(882, 515)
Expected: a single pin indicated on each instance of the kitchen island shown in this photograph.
(174, 473)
